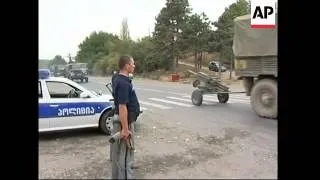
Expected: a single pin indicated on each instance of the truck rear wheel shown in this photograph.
(264, 98)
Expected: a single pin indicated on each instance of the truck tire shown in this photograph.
(197, 97)
(105, 122)
(223, 97)
(264, 98)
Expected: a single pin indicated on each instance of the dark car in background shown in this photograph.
(59, 72)
(215, 66)
(77, 74)
(77, 71)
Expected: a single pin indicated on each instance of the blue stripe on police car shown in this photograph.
(56, 110)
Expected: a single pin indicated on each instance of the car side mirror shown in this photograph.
(84, 95)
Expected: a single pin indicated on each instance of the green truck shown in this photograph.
(77, 71)
(256, 64)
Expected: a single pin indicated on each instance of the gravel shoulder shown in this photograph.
(165, 149)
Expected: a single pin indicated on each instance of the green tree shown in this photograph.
(95, 46)
(168, 27)
(107, 64)
(142, 53)
(195, 36)
(224, 33)
(124, 30)
(58, 60)
(122, 47)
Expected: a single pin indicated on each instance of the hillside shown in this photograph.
(207, 57)
(188, 64)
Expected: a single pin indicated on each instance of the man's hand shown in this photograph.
(125, 134)
(123, 114)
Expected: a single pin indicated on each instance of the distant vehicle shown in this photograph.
(215, 66)
(59, 70)
(77, 71)
(44, 73)
(65, 105)
(77, 74)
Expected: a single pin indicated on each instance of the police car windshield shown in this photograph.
(94, 92)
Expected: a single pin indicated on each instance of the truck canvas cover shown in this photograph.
(248, 41)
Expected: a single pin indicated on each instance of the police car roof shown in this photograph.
(65, 80)
(57, 79)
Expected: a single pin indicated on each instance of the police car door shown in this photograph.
(43, 107)
(70, 112)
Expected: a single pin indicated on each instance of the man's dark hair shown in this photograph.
(124, 60)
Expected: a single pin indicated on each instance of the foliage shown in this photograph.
(195, 36)
(168, 29)
(57, 60)
(177, 32)
(223, 37)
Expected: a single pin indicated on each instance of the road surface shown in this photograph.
(175, 139)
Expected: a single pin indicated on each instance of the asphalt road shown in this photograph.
(175, 138)
(173, 101)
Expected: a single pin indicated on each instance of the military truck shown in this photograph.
(77, 71)
(256, 58)
(58, 70)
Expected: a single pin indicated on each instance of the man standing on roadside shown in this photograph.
(127, 108)
(113, 79)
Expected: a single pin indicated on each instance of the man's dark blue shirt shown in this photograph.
(113, 83)
(125, 94)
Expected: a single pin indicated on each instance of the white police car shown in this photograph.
(64, 104)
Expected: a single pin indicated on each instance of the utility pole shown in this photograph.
(173, 55)
(70, 58)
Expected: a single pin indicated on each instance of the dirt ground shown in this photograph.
(163, 151)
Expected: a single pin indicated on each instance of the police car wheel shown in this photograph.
(105, 123)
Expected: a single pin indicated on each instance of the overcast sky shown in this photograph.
(64, 24)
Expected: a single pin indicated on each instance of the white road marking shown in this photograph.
(180, 99)
(171, 102)
(210, 98)
(144, 109)
(101, 83)
(233, 96)
(238, 101)
(154, 105)
(156, 90)
(205, 101)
